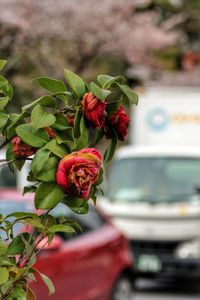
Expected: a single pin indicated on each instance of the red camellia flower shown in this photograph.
(78, 171)
(120, 122)
(50, 132)
(20, 149)
(94, 110)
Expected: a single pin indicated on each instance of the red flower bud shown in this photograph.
(78, 171)
(120, 122)
(50, 132)
(20, 149)
(70, 120)
(94, 110)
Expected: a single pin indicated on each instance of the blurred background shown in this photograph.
(153, 43)
(149, 41)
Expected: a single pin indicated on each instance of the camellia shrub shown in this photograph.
(58, 133)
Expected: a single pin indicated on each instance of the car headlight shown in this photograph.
(188, 250)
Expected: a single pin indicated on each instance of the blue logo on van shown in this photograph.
(157, 119)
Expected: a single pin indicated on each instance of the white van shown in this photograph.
(153, 191)
(154, 197)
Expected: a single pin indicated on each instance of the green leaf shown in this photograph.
(47, 101)
(48, 195)
(60, 123)
(48, 173)
(47, 281)
(131, 95)
(78, 205)
(3, 102)
(83, 140)
(4, 275)
(17, 245)
(101, 94)
(77, 120)
(40, 118)
(106, 80)
(50, 84)
(3, 247)
(3, 119)
(15, 119)
(3, 81)
(29, 189)
(10, 156)
(2, 64)
(26, 133)
(39, 161)
(57, 149)
(75, 82)
(20, 215)
(112, 107)
(61, 228)
(18, 294)
(7, 90)
(111, 149)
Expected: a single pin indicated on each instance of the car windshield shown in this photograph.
(8, 207)
(154, 179)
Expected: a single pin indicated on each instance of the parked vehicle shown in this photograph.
(96, 264)
(154, 184)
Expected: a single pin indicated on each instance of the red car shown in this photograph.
(94, 265)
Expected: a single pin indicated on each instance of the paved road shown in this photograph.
(156, 290)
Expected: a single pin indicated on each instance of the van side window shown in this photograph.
(7, 178)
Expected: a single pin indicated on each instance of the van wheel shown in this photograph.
(123, 289)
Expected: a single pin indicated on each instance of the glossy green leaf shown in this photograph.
(48, 195)
(61, 228)
(78, 205)
(3, 102)
(19, 215)
(3, 119)
(48, 173)
(111, 149)
(18, 294)
(47, 101)
(75, 82)
(17, 245)
(7, 90)
(26, 133)
(50, 84)
(83, 140)
(131, 95)
(41, 118)
(100, 93)
(56, 148)
(3, 81)
(106, 80)
(39, 161)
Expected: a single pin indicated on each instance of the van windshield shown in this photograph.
(154, 179)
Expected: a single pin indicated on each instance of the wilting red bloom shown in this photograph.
(20, 149)
(120, 122)
(50, 132)
(94, 110)
(78, 171)
(70, 120)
